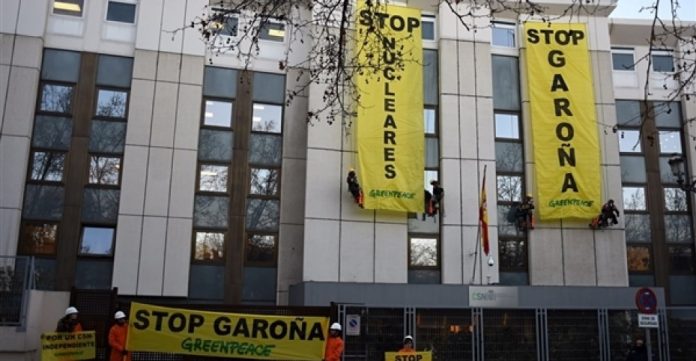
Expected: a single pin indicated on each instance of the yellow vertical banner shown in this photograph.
(56, 346)
(564, 126)
(390, 134)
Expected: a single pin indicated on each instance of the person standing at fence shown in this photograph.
(334, 345)
(69, 322)
(408, 345)
(117, 338)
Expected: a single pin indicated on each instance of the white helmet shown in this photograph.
(119, 315)
(409, 338)
(335, 326)
(70, 310)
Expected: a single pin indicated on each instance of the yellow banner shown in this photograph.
(564, 126)
(418, 356)
(190, 332)
(68, 346)
(390, 133)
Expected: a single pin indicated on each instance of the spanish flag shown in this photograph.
(483, 215)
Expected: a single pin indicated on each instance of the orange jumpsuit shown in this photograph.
(334, 349)
(407, 350)
(117, 342)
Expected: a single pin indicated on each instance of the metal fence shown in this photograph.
(478, 334)
(15, 282)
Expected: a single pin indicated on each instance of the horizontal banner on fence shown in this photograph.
(415, 356)
(68, 346)
(192, 332)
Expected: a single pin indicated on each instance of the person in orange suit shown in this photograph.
(334, 345)
(408, 345)
(117, 338)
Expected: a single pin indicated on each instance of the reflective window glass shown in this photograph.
(220, 82)
(68, 7)
(628, 113)
(428, 28)
(678, 228)
(209, 246)
(637, 227)
(215, 145)
(60, 65)
(623, 60)
(262, 214)
(115, 71)
(662, 62)
(629, 141)
(682, 291)
(503, 35)
(424, 276)
(210, 211)
(633, 169)
(507, 218)
(264, 181)
(508, 157)
(38, 238)
(676, 200)
(205, 281)
(271, 30)
(429, 123)
(213, 178)
(509, 188)
(43, 202)
(121, 12)
(100, 205)
(98, 241)
(507, 126)
(429, 176)
(430, 77)
(265, 149)
(104, 170)
(259, 285)
(423, 252)
(56, 98)
(634, 198)
(432, 152)
(229, 27)
(107, 136)
(93, 274)
(218, 113)
(638, 258)
(670, 142)
(506, 92)
(268, 88)
(667, 114)
(260, 249)
(47, 166)
(513, 255)
(52, 132)
(666, 175)
(681, 259)
(267, 118)
(111, 103)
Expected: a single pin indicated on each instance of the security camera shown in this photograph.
(491, 262)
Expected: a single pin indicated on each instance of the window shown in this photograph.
(104, 170)
(263, 214)
(638, 259)
(264, 181)
(68, 7)
(509, 188)
(629, 141)
(267, 118)
(209, 246)
(503, 35)
(676, 200)
(121, 12)
(111, 103)
(622, 59)
(662, 61)
(634, 198)
(272, 30)
(218, 113)
(47, 166)
(423, 252)
(428, 27)
(97, 241)
(213, 178)
(429, 120)
(260, 250)
(507, 126)
(38, 238)
(210, 212)
(228, 26)
(670, 141)
(56, 98)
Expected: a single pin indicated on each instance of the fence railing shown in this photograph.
(15, 283)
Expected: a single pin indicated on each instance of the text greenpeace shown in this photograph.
(164, 329)
(390, 114)
(68, 346)
(418, 356)
(564, 126)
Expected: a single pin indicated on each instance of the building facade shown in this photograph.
(133, 157)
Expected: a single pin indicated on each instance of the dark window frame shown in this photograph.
(21, 246)
(120, 156)
(202, 124)
(30, 180)
(39, 111)
(135, 12)
(96, 256)
(228, 185)
(270, 264)
(225, 236)
(96, 103)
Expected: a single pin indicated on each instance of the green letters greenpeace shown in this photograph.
(380, 193)
(226, 347)
(570, 202)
